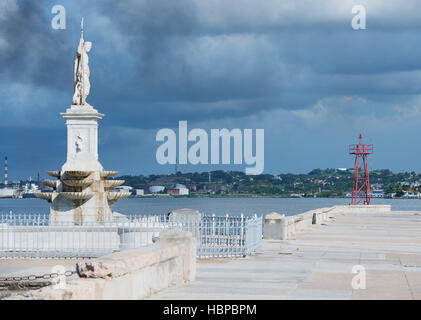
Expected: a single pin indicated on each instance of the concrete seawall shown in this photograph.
(285, 227)
(129, 275)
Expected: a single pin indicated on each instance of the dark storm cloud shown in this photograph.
(182, 59)
(291, 64)
(191, 58)
(33, 53)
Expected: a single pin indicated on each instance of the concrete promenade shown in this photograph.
(317, 263)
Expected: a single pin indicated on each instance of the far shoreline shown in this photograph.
(249, 196)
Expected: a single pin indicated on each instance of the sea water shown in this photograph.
(218, 206)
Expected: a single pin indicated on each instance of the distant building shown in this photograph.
(122, 189)
(183, 191)
(296, 195)
(7, 193)
(374, 194)
(409, 194)
(179, 190)
(378, 194)
(156, 189)
(29, 190)
(139, 192)
(192, 187)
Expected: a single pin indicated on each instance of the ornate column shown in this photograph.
(82, 138)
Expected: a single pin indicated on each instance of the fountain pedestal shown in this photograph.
(82, 194)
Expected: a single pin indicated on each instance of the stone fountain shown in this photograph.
(81, 192)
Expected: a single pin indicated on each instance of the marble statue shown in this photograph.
(81, 71)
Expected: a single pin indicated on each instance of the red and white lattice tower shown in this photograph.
(361, 193)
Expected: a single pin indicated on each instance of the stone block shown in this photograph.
(274, 226)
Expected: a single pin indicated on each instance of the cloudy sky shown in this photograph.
(294, 68)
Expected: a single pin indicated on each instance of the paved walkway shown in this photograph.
(318, 263)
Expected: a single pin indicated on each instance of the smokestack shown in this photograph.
(5, 172)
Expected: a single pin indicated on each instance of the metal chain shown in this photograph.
(34, 277)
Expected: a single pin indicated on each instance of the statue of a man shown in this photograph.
(81, 72)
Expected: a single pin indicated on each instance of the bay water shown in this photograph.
(219, 206)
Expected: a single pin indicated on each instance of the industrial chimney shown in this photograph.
(5, 172)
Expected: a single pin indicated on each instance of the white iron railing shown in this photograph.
(31, 235)
(223, 236)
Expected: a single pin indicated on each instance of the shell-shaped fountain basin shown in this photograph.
(44, 195)
(109, 184)
(77, 195)
(78, 174)
(114, 196)
(78, 183)
(107, 174)
(55, 174)
(49, 183)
